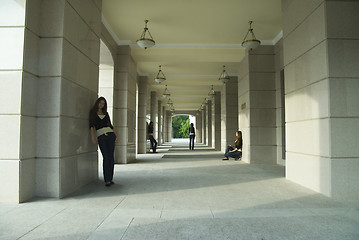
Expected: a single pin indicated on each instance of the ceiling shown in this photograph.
(194, 39)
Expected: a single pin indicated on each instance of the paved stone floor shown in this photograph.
(182, 194)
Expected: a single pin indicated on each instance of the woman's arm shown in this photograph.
(93, 137)
(234, 150)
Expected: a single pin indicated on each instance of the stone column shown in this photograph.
(229, 112)
(280, 103)
(204, 125)
(321, 61)
(199, 129)
(68, 87)
(125, 105)
(159, 122)
(257, 105)
(20, 44)
(169, 126)
(209, 123)
(154, 112)
(163, 124)
(50, 153)
(216, 121)
(142, 96)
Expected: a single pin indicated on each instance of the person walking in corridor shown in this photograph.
(152, 139)
(192, 135)
(102, 133)
(236, 150)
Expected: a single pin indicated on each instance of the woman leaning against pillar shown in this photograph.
(102, 133)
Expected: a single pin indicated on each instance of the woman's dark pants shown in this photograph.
(153, 143)
(191, 141)
(106, 143)
(236, 154)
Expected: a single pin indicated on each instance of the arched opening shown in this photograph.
(180, 126)
(105, 87)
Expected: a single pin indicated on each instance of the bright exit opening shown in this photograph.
(180, 125)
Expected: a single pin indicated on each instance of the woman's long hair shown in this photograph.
(93, 111)
(239, 136)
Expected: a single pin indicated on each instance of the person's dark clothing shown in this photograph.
(106, 143)
(236, 154)
(192, 136)
(238, 144)
(97, 122)
(152, 139)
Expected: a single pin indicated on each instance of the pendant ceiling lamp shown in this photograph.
(166, 93)
(250, 43)
(145, 42)
(160, 76)
(169, 103)
(211, 92)
(224, 77)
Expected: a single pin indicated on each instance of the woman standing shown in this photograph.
(192, 135)
(236, 150)
(152, 139)
(101, 131)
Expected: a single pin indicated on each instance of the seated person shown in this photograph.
(236, 150)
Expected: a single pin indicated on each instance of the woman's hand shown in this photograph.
(234, 150)
(94, 141)
(116, 139)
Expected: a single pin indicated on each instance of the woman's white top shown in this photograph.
(104, 130)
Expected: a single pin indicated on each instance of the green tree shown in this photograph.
(184, 131)
(179, 123)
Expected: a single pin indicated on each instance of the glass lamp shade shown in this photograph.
(160, 79)
(223, 79)
(166, 95)
(251, 44)
(145, 43)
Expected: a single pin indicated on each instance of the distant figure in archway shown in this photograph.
(152, 139)
(192, 135)
(101, 131)
(236, 150)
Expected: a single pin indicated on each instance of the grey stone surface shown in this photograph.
(186, 195)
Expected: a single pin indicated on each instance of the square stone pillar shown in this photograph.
(204, 125)
(163, 124)
(54, 55)
(199, 128)
(257, 105)
(321, 58)
(142, 128)
(125, 105)
(280, 102)
(18, 111)
(209, 123)
(168, 126)
(154, 113)
(216, 121)
(229, 112)
(159, 122)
